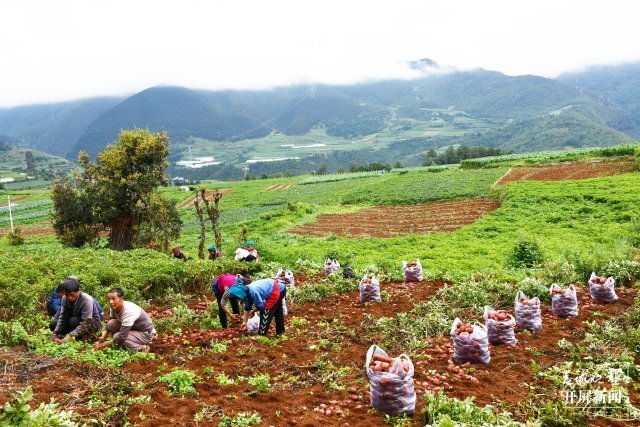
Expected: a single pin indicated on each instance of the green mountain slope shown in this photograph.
(53, 128)
(616, 86)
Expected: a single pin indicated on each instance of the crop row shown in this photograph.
(17, 207)
(25, 216)
(336, 177)
(559, 155)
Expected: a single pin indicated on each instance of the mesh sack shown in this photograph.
(392, 391)
(528, 315)
(331, 266)
(602, 292)
(369, 289)
(564, 302)
(253, 324)
(412, 271)
(472, 347)
(500, 331)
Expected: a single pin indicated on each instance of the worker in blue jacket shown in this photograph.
(264, 296)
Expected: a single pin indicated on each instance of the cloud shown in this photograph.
(68, 49)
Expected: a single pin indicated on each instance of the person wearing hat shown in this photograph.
(266, 296)
(221, 288)
(177, 253)
(249, 253)
(213, 252)
(79, 316)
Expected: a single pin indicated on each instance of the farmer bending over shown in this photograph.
(53, 306)
(221, 288)
(213, 252)
(266, 295)
(249, 253)
(129, 325)
(78, 316)
(178, 254)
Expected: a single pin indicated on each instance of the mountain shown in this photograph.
(345, 111)
(219, 116)
(53, 128)
(311, 125)
(616, 86)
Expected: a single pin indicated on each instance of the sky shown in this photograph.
(53, 51)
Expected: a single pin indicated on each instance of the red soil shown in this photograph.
(209, 193)
(277, 187)
(389, 221)
(298, 383)
(571, 170)
(39, 229)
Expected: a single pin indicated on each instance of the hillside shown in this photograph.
(616, 86)
(481, 246)
(53, 128)
(299, 129)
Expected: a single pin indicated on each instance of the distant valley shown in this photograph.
(226, 134)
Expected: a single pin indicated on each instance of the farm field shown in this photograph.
(574, 170)
(319, 362)
(389, 221)
(523, 235)
(316, 141)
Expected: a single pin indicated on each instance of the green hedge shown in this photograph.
(30, 272)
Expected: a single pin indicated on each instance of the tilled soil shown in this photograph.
(390, 221)
(38, 229)
(278, 187)
(209, 193)
(571, 170)
(305, 367)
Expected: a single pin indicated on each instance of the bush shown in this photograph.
(180, 381)
(14, 237)
(18, 412)
(526, 254)
(448, 411)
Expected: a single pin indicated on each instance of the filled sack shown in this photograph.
(369, 289)
(470, 343)
(284, 307)
(390, 382)
(500, 326)
(253, 324)
(241, 254)
(602, 290)
(331, 266)
(286, 277)
(412, 271)
(564, 302)
(528, 315)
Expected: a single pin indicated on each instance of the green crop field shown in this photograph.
(535, 234)
(316, 141)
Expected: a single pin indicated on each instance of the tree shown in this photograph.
(160, 223)
(214, 213)
(322, 170)
(31, 164)
(430, 158)
(74, 220)
(119, 189)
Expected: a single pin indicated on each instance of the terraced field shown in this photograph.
(390, 221)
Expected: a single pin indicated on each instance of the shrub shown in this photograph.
(240, 420)
(526, 254)
(180, 381)
(448, 411)
(14, 237)
(18, 412)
